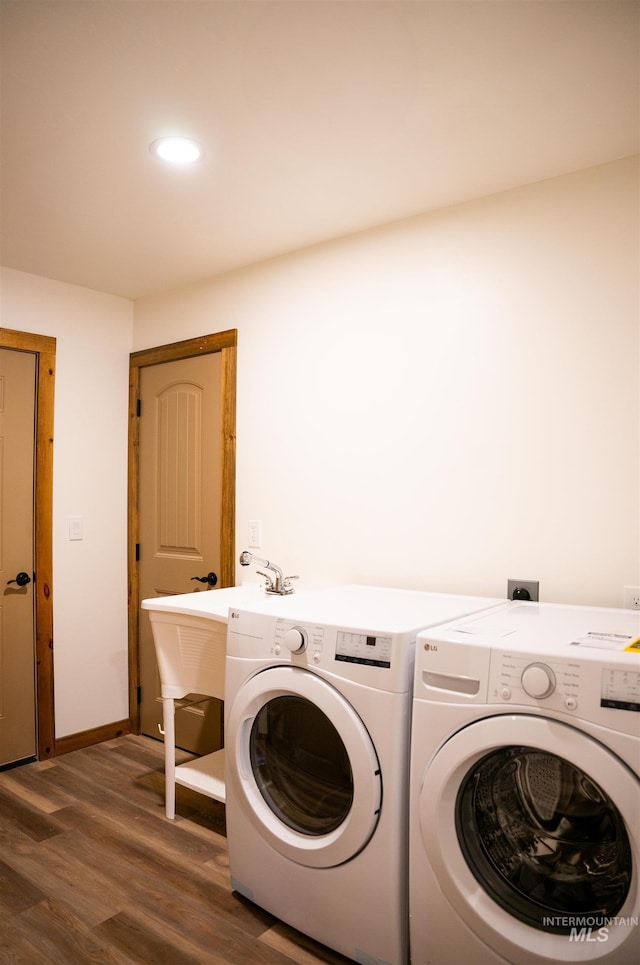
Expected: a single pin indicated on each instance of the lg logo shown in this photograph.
(430, 646)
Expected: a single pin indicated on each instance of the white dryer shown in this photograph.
(525, 788)
(317, 716)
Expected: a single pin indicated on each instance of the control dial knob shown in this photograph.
(538, 680)
(295, 640)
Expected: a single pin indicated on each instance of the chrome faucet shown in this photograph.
(276, 584)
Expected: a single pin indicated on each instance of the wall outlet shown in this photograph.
(632, 597)
(255, 533)
(523, 589)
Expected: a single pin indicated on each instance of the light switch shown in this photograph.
(255, 533)
(76, 527)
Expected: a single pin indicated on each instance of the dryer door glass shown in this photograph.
(543, 838)
(301, 765)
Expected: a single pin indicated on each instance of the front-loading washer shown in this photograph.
(525, 788)
(317, 717)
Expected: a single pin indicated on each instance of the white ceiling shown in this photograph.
(319, 118)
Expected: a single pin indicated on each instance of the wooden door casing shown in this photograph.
(44, 347)
(224, 343)
(17, 641)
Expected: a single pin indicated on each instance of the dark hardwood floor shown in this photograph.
(92, 871)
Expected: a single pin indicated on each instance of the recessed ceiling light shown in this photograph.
(177, 150)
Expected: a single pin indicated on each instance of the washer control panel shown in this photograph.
(620, 689)
(522, 679)
(538, 680)
(601, 691)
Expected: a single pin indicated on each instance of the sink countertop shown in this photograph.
(207, 603)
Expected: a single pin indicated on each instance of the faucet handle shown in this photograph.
(267, 578)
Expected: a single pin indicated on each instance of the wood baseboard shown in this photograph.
(97, 735)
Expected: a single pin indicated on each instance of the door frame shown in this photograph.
(44, 348)
(226, 344)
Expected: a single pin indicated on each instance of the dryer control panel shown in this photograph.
(348, 646)
(374, 658)
(373, 651)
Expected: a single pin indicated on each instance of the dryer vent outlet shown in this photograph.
(523, 589)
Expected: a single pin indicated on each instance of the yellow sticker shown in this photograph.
(634, 645)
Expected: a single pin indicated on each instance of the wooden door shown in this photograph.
(180, 498)
(17, 640)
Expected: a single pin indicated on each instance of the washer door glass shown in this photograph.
(542, 838)
(301, 765)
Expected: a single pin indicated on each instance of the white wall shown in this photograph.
(93, 332)
(442, 404)
(447, 402)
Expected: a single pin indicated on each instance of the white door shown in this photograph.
(17, 648)
(301, 765)
(179, 510)
(537, 830)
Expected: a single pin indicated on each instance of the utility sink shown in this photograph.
(190, 638)
(207, 603)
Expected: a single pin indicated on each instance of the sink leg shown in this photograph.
(169, 724)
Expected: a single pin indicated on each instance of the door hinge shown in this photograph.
(137, 552)
(138, 407)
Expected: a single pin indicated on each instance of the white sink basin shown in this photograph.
(190, 638)
(208, 603)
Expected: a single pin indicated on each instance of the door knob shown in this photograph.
(210, 578)
(21, 579)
